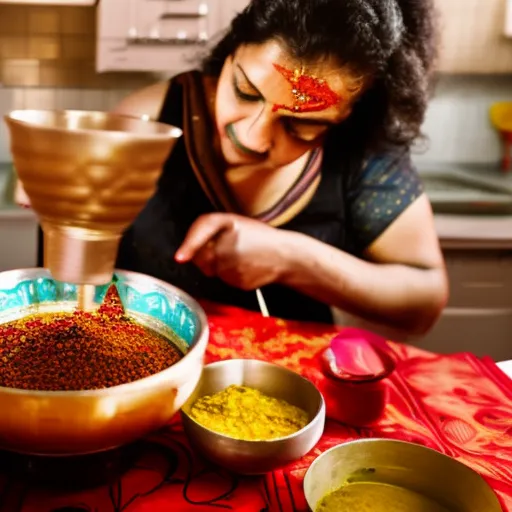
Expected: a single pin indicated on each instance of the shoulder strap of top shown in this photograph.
(199, 132)
(171, 110)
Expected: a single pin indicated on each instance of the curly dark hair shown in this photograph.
(392, 42)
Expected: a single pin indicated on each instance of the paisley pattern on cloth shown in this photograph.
(459, 405)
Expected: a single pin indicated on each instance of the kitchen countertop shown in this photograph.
(462, 231)
(488, 172)
(473, 231)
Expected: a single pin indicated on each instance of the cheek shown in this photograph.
(227, 109)
(287, 149)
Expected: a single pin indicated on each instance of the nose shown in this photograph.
(254, 134)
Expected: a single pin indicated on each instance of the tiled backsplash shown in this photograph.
(457, 124)
(50, 98)
(48, 46)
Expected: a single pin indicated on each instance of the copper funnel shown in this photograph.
(87, 175)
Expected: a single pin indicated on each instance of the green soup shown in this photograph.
(377, 497)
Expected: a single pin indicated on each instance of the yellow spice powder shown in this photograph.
(244, 413)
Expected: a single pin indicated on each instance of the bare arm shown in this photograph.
(144, 102)
(402, 284)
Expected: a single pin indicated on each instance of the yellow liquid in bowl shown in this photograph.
(377, 497)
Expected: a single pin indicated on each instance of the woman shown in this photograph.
(293, 175)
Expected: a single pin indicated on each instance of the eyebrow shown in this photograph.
(248, 81)
(303, 120)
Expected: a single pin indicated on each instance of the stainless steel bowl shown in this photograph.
(407, 465)
(79, 422)
(256, 457)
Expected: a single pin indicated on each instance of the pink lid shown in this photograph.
(358, 355)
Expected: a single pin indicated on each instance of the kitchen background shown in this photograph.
(48, 58)
(90, 57)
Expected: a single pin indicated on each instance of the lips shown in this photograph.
(231, 135)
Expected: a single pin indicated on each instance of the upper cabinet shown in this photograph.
(73, 3)
(170, 35)
(158, 35)
(473, 36)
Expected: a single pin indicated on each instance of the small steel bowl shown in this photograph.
(256, 457)
(412, 466)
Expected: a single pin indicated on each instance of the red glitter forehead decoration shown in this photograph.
(311, 94)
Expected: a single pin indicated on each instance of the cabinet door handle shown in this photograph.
(472, 312)
(183, 15)
(483, 284)
(167, 41)
(201, 12)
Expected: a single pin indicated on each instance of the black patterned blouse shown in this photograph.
(347, 214)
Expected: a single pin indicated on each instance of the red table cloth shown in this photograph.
(458, 404)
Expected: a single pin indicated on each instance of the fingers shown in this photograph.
(20, 196)
(205, 259)
(204, 230)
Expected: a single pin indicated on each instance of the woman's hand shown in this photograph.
(402, 284)
(20, 196)
(241, 251)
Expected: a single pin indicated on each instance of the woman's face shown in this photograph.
(262, 114)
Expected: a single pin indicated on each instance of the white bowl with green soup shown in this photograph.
(383, 475)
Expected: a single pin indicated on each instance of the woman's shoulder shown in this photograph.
(147, 101)
(388, 154)
(144, 102)
(388, 184)
(391, 162)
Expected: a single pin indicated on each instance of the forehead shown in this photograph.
(261, 64)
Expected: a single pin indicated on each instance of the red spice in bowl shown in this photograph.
(79, 350)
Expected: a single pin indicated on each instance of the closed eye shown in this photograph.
(244, 96)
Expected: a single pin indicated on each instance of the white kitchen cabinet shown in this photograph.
(473, 37)
(152, 35)
(114, 55)
(57, 3)
(162, 36)
(482, 331)
(478, 317)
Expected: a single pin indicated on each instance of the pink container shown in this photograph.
(355, 366)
